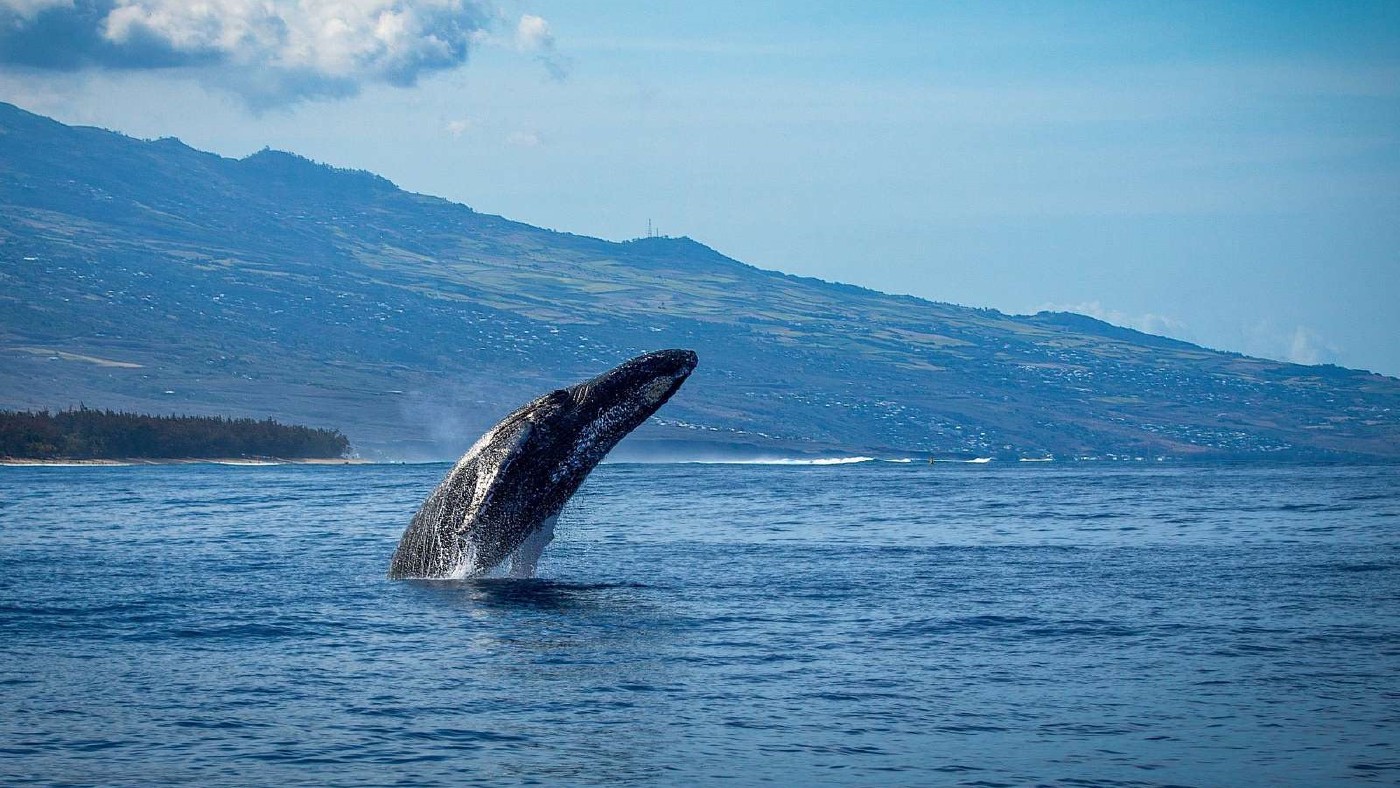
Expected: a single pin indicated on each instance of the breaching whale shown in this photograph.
(502, 498)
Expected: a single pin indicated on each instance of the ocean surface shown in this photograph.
(857, 624)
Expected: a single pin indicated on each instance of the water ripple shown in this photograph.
(866, 624)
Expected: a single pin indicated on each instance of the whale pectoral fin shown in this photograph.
(527, 556)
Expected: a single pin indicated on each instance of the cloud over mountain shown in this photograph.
(268, 51)
(533, 34)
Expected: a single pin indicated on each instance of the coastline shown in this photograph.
(20, 462)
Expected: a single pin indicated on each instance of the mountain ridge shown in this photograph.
(277, 286)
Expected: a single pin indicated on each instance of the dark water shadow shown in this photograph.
(517, 593)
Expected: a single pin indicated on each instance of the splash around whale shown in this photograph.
(502, 498)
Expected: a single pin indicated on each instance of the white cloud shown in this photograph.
(533, 34)
(1264, 339)
(1307, 347)
(525, 139)
(380, 39)
(1299, 344)
(269, 51)
(1148, 323)
(459, 126)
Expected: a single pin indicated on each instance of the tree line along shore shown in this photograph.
(86, 434)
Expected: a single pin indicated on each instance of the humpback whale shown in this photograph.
(502, 498)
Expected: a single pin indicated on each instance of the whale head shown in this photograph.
(590, 418)
(518, 476)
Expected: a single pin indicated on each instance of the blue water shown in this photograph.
(871, 624)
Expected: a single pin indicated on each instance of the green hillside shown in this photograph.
(150, 276)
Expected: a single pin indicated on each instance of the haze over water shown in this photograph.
(866, 623)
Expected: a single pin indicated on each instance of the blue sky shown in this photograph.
(1226, 173)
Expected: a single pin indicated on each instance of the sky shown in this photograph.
(1225, 173)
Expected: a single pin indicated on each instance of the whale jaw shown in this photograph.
(501, 498)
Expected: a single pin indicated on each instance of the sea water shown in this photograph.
(853, 624)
